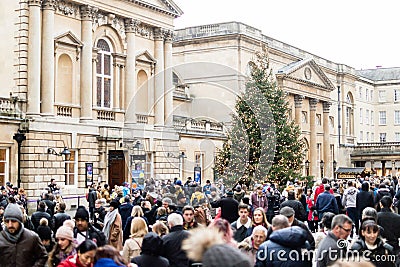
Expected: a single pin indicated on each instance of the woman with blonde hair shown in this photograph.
(137, 211)
(133, 245)
(160, 228)
(258, 218)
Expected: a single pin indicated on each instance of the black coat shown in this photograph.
(172, 244)
(151, 247)
(364, 199)
(229, 208)
(391, 231)
(39, 214)
(150, 261)
(59, 219)
(378, 256)
(125, 211)
(239, 234)
(93, 234)
(299, 211)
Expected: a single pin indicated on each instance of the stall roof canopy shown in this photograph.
(350, 170)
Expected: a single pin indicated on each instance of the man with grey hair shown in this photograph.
(369, 213)
(280, 222)
(19, 247)
(172, 242)
(334, 245)
(251, 244)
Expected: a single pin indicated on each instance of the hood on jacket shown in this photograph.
(292, 237)
(151, 244)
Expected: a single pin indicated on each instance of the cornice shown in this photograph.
(173, 12)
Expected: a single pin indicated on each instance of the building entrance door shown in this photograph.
(116, 169)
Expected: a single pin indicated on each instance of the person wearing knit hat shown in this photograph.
(23, 244)
(44, 232)
(65, 245)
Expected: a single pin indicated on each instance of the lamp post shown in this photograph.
(19, 137)
(66, 153)
(307, 165)
(334, 163)
(321, 166)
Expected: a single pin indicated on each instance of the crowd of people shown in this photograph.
(171, 223)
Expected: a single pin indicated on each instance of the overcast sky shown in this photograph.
(360, 33)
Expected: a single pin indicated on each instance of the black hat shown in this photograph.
(44, 232)
(82, 213)
(287, 211)
(229, 192)
(114, 203)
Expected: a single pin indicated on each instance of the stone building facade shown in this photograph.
(111, 82)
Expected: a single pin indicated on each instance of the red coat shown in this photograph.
(73, 261)
(320, 189)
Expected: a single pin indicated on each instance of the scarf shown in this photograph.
(13, 238)
(108, 220)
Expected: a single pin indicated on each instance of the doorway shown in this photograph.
(116, 168)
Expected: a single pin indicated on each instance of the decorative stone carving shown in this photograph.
(168, 35)
(49, 4)
(313, 103)
(298, 101)
(34, 2)
(326, 106)
(132, 25)
(68, 9)
(88, 12)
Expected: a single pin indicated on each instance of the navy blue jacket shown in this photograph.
(282, 248)
(326, 202)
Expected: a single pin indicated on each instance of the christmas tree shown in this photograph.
(263, 142)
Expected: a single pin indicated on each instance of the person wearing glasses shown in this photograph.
(334, 245)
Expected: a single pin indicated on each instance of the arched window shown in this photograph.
(104, 74)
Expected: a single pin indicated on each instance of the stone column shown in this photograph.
(47, 96)
(168, 87)
(131, 27)
(298, 105)
(116, 82)
(314, 166)
(327, 145)
(95, 52)
(34, 45)
(122, 87)
(159, 77)
(86, 84)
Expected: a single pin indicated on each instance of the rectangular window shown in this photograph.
(382, 96)
(396, 95)
(397, 137)
(360, 94)
(71, 169)
(382, 137)
(331, 123)
(371, 97)
(367, 116)
(397, 117)
(4, 165)
(360, 137)
(367, 137)
(366, 95)
(372, 137)
(361, 115)
(372, 117)
(382, 117)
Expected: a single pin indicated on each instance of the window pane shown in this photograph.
(102, 44)
(2, 167)
(107, 65)
(2, 178)
(107, 85)
(98, 64)
(99, 81)
(2, 154)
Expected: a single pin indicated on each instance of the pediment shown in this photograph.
(68, 38)
(165, 5)
(308, 72)
(145, 56)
